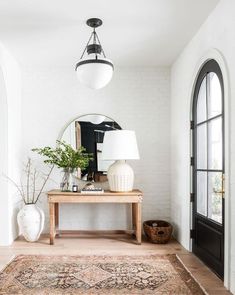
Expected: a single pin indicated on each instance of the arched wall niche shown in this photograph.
(4, 200)
(10, 144)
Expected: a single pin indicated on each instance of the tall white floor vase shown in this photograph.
(31, 222)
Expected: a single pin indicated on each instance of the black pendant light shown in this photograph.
(94, 70)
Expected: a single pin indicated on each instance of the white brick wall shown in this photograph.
(137, 98)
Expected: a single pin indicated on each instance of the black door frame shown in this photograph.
(217, 267)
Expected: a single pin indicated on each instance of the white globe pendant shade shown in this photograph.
(94, 73)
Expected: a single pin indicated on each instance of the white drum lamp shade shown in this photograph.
(120, 145)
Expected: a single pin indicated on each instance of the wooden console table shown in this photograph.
(56, 197)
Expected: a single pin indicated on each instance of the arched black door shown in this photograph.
(208, 167)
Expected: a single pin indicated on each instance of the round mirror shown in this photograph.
(88, 131)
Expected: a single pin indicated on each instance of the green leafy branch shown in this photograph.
(64, 156)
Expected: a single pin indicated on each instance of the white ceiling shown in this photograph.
(134, 33)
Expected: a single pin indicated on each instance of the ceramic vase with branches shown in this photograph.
(31, 218)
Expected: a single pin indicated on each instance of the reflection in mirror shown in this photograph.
(88, 131)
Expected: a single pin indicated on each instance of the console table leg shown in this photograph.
(56, 214)
(52, 223)
(138, 223)
(133, 213)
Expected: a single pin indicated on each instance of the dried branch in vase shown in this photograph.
(35, 182)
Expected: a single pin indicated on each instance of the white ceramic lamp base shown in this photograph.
(120, 177)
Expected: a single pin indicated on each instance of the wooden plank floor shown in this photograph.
(114, 245)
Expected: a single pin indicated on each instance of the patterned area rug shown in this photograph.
(44, 275)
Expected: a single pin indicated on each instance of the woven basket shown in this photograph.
(158, 231)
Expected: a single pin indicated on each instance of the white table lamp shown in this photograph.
(120, 145)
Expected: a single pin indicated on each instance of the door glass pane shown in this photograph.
(215, 144)
(214, 196)
(202, 146)
(201, 102)
(202, 193)
(214, 95)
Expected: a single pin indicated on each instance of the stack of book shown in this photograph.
(96, 190)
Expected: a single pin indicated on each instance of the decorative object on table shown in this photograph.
(120, 145)
(94, 71)
(89, 188)
(31, 218)
(75, 188)
(158, 231)
(105, 274)
(67, 158)
(68, 178)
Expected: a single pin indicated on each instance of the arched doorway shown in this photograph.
(208, 167)
(4, 198)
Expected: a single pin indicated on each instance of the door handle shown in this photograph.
(222, 192)
(218, 192)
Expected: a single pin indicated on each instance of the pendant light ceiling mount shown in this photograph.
(94, 22)
(96, 70)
